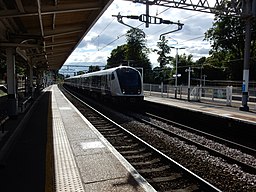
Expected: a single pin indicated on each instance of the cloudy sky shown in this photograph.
(108, 33)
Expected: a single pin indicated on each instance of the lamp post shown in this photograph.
(176, 71)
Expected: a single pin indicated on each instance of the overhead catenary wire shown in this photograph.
(107, 26)
(117, 38)
(122, 35)
(184, 19)
(192, 39)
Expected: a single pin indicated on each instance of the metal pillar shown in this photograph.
(31, 87)
(176, 73)
(11, 83)
(247, 47)
(189, 70)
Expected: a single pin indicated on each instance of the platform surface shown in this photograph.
(208, 108)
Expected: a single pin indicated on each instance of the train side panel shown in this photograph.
(121, 83)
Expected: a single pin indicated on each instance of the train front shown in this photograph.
(130, 82)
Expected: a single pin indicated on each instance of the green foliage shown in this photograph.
(184, 61)
(133, 52)
(136, 51)
(117, 56)
(227, 38)
(164, 49)
(93, 68)
(162, 74)
(80, 72)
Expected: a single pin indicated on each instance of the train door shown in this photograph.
(109, 83)
(103, 84)
(115, 88)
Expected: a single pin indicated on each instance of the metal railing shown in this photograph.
(228, 95)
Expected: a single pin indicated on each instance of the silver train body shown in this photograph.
(119, 83)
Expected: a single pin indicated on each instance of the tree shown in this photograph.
(163, 59)
(137, 52)
(80, 72)
(185, 61)
(227, 38)
(93, 68)
(117, 56)
(162, 74)
(134, 53)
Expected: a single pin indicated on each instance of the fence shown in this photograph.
(225, 95)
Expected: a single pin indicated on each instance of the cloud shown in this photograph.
(108, 33)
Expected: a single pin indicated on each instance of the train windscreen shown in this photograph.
(130, 81)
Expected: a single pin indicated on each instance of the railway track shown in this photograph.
(162, 172)
(230, 151)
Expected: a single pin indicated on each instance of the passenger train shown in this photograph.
(121, 83)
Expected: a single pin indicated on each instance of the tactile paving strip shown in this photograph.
(67, 176)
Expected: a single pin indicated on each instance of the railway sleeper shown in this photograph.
(112, 131)
(127, 146)
(128, 150)
(112, 135)
(172, 177)
(124, 139)
(145, 163)
(141, 156)
(157, 169)
(110, 128)
(132, 151)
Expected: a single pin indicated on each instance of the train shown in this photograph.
(118, 84)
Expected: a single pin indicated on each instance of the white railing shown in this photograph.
(225, 95)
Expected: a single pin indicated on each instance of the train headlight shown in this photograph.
(123, 91)
(139, 92)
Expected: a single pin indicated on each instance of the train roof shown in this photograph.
(101, 72)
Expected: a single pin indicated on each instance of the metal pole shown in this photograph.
(147, 14)
(189, 84)
(176, 75)
(189, 70)
(200, 88)
(204, 79)
(247, 46)
(11, 83)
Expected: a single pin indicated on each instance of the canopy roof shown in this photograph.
(45, 32)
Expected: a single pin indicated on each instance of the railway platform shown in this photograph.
(56, 147)
(212, 109)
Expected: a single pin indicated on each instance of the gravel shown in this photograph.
(225, 176)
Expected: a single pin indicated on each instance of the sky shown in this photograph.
(108, 33)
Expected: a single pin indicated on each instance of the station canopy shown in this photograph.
(45, 32)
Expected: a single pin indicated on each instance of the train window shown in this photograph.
(129, 80)
(128, 76)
